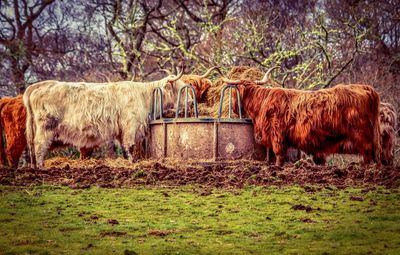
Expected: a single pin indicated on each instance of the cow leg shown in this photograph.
(367, 157)
(140, 150)
(280, 153)
(363, 146)
(137, 150)
(270, 156)
(15, 149)
(278, 147)
(111, 148)
(132, 137)
(85, 153)
(128, 145)
(124, 153)
(127, 149)
(267, 156)
(25, 157)
(367, 152)
(42, 142)
(130, 148)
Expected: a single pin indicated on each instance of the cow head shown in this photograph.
(170, 88)
(201, 83)
(388, 140)
(388, 123)
(242, 84)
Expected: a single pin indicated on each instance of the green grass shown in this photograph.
(188, 220)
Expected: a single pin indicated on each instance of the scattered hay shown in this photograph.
(206, 111)
(61, 163)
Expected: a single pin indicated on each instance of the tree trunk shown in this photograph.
(18, 78)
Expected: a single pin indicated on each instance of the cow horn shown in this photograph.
(228, 81)
(219, 71)
(176, 77)
(209, 72)
(168, 72)
(266, 76)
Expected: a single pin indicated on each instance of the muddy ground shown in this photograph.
(230, 174)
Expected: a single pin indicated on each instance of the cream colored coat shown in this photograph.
(91, 114)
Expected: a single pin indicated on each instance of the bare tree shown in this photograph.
(17, 36)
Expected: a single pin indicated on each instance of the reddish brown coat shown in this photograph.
(342, 119)
(388, 119)
(201, 85)
(12, 120)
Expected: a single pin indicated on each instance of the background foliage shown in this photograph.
(317, 43)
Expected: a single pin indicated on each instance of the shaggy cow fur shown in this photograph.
(342, 119)
(213, 94)
(13, 121)
(201, 85)
(90, 114)
(388, 119)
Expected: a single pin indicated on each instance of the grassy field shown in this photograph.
(195, 220)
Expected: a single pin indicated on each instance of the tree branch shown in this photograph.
(191, 14)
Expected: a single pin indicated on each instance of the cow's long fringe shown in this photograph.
(388, 124)
(201, 86)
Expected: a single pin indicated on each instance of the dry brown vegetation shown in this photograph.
(228, 174)
(317, 44)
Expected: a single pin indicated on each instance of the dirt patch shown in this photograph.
(302, 207)
(112, 233)
(129, 252)
(307, 220)
(121, 173)
(113, 222)
(356, 198)
(158, 232)
(6, 220)
(94, 217)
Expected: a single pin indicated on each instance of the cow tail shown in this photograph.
(3, 160)
(30, 128)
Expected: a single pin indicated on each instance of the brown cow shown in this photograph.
(388, 120)
(13, 121)
(342, 119)
(200, 83)
(388, 123)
